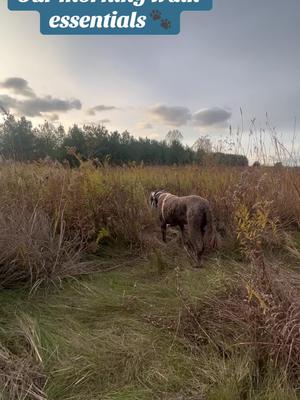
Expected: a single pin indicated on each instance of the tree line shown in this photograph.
(20, 141)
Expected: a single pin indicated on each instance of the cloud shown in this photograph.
(144, 125)
(33, 105)
(104, 121)
(179, 115)
(99, 108)
(7, 102)
(211, 116)
(171, 115)
(53, 117)
(18, 86)
(38, 106)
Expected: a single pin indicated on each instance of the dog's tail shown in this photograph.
(208, 228)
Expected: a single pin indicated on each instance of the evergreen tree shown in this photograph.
(21, 142)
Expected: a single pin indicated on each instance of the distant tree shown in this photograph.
(48, 140)
(21, 142)
(96, 139)
(177, 153)
(75, 140)
(17, 140)
(174, 136)
(203, 143)
(256, 164)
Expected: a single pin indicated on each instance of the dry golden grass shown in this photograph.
(50, 214)
(57, 223)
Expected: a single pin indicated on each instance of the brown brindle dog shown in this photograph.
(191, 212)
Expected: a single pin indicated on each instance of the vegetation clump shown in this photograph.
(94, 305)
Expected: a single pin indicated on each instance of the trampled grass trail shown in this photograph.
(117, 335)
(108, 335)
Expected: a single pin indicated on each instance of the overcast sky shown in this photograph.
(243, 54)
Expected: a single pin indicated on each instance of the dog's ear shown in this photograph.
(153, 199)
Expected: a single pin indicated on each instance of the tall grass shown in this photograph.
(232, 330)
(50, 215)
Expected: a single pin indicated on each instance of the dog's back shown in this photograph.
(176, 210)
(191, 211)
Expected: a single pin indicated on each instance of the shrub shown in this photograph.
(30, 249)
(251, 315)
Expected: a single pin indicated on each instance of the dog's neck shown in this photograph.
(159, 194)
(163, 205)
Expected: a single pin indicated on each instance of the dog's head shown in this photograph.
(154, 196)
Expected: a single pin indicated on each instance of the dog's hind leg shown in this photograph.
(164, 231)
(188, 244)
(184, 238)
(196, 243)
(197, 248)
(199, 252)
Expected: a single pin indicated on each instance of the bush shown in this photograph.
(254, 315)
(31, 250)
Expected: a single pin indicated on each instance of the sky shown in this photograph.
(244, 54)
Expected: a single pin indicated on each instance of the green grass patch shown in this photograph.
(108, 336)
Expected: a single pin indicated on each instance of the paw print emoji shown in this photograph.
(155, 15)
(165, 23)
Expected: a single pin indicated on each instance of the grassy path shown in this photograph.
(112, 336)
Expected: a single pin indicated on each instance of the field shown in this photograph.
(95, 306)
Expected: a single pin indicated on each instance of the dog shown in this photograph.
(192, 214)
